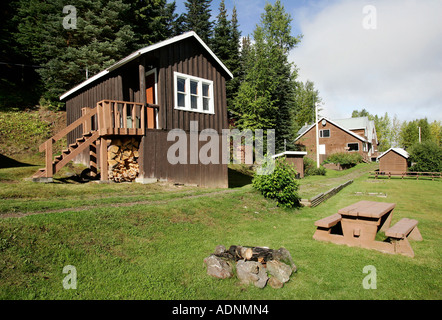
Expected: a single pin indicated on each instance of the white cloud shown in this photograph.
(395, 68)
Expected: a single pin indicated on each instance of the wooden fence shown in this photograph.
(318, 199)
(416, 175)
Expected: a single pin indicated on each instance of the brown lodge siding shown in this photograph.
(337, 141)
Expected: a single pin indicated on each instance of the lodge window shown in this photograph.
(353, 146)
(193, 93)
(325, 133)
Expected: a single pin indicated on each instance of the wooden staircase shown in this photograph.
(69, 154)
(108, 118)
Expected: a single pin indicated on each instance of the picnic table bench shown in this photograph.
(358, 224)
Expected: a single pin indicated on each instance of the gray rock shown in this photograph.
(218, 267)
(283, 255)
(275, 283)
(252, 272)
(279, 270)
(220, 249)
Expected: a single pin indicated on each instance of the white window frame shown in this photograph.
(321, 134)
(187, 99)
(353, 150)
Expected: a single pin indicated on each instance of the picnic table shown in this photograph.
(358, 224)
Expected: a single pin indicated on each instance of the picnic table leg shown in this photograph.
(402, 246)
(387, 222)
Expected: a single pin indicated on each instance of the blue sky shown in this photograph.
(381, 55)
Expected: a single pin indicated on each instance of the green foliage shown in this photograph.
(310, 168)
(266, 95)
(197, 18)
(306, 97)
(281, 185)
(409, 134)
(226, 45)
(344, 158)
(23, 130)
(427, 157)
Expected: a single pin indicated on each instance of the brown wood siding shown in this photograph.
(337, 141)
(297, 162)
(186, 57)
(393, 162)
(158, 167)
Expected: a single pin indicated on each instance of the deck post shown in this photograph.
(103, 159)
(49, 167)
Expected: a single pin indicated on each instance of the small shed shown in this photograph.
(394, 160)
(296, 158)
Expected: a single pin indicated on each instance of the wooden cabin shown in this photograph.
(295, 158)
(394, 161)
(137, 102)
(333, 138)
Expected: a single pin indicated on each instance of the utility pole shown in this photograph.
(317, 135)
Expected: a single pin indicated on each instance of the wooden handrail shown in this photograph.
(69, 128)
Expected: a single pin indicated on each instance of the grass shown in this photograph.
(155, 249)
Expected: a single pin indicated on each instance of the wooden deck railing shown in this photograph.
(125, 118)
(109, 117)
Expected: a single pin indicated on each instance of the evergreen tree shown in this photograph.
(153, 21)
(197, 18)
(100, 38)
(225, 44)
(266, 97)
(306, 98)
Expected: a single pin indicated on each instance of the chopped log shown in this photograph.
(122, 159)
(259, 254)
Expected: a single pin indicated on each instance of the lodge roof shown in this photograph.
(306, 128)
(147, 49)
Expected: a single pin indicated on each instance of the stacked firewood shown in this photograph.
(122, 155)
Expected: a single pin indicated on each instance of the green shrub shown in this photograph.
(281, 185)
(310, 168)
(426, 156)
(345, 159)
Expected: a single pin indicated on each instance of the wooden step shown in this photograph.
(73, 145)
(40, 172)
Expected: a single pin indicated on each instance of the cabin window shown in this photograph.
(353, 146)
(193, 93)
(325, 133)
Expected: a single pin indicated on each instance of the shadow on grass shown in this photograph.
(6, 162)
(238, 179)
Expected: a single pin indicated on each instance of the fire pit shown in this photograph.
(257, 265)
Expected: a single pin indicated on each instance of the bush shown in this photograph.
(427, 157)
(310, 168)
(281, 185)
(345, 159)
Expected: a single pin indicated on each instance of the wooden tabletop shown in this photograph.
(369, 209)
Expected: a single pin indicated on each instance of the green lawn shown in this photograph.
(151, 245)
